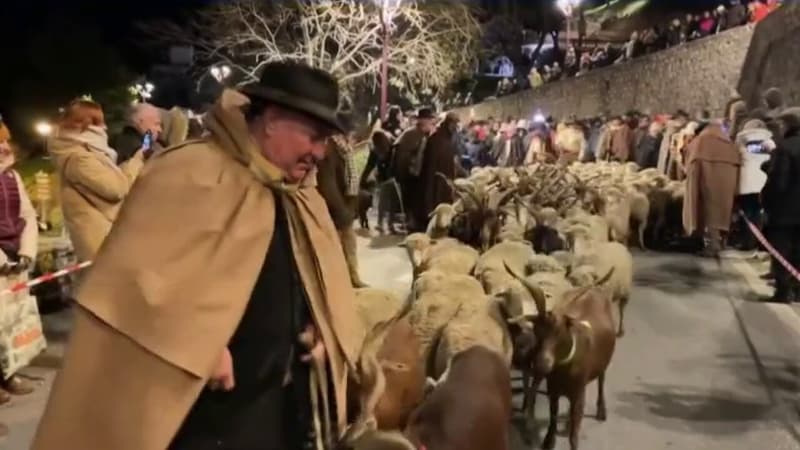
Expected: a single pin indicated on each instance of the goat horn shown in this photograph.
(536, 292)
(605, 279)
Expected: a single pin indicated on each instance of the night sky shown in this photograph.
(55, 50)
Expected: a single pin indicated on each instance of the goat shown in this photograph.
(574, 344)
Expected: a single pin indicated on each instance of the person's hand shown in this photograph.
(24, 264)
(222, 379)
(311, 341)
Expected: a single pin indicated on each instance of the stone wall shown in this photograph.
(695, 76)
(772, 60)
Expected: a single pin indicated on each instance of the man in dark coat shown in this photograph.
(408, 157)
(440, 157)
(649, 145)
(783, 211)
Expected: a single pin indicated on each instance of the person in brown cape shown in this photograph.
(407, 167)
(221, 293)
(712, 181)
(621, 140)
(440, 157)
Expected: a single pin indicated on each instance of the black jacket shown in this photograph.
(126, 143)
(782, 189)
(647, 151)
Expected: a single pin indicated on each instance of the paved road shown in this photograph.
(702, 366)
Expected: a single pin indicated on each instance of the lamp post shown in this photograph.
(388, 9)
(143, 91)
(220, 73)
(568, 7)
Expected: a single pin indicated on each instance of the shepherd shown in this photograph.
(222, 291)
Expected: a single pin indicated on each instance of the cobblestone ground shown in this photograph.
(703, 366)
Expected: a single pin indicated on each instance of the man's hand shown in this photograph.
(23, 265)
(222, 378)
(311, 341)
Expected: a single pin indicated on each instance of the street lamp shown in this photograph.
(568, 7)
(143, 92)
(43, 129)
(220, 73)
(388, 10)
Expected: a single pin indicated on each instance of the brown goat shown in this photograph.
(574, 344)
(469, 409)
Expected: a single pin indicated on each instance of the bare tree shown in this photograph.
(430, 43)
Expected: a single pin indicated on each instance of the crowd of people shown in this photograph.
(744, 162)
(575, 62)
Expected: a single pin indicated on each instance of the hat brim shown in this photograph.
(311, 108)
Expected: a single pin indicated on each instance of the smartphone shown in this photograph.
(756, 147)
(147, 141)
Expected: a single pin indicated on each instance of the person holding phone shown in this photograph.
(142, 132)
(755, 144)
(93, 185)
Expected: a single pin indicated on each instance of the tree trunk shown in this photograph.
(538, 49)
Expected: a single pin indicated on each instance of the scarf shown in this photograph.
(351, 175)
(94, 137)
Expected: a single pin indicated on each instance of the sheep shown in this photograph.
(639, 211)
(474, 324)
(447, 255)
(436, 305)
(617, 214)
(514, 253)
(595, 259)
(441, 218)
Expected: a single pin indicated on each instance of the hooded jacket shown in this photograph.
(92, 188)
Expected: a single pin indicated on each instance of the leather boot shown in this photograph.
(18, 386)
(348, 238)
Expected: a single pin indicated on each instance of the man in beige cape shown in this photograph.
(186, 333)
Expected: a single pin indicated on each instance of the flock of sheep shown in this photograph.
(521, 271)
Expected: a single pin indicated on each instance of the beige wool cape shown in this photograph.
(712, 180)
(171, 283)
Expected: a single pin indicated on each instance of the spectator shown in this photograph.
(92, 185)
(19, 235)
(755, 144)
(707, 25)
(649, 146)
(721, 18)
(621, 140)
(758, 11)
(736, 15)
(674, 33)
(690, 27)
(142, 118)
(783, 217)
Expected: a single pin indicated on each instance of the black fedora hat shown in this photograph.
(299, 87)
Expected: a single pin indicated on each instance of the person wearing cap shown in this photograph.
(712, 179)
(779, 198)
(222, 296)
(19, 235)
(407, 166)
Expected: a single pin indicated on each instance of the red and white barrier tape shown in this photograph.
(776, 254)
(45, 278)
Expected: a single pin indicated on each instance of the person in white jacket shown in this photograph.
(755, 144)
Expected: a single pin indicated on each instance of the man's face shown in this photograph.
(292, 141)
(425, 125)
(149, 119)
